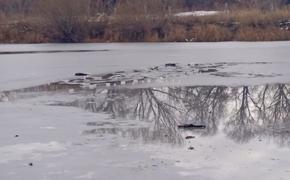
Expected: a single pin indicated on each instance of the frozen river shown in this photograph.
(208, 111)
(19, 70)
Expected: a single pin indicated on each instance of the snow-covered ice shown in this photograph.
(24, 70)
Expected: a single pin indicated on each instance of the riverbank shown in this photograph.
(243, 25)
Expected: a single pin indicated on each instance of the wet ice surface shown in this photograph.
(115, 114)
(96, 127)
(25, 70)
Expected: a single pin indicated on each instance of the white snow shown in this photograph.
(219, 158)
(65, 152)
(197, 13)
(19, 151)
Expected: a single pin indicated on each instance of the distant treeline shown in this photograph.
(35, 21)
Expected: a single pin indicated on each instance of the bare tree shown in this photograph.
(66, 20)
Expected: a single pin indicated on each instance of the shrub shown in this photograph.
(210, 33)
(262, 34)
(65, 20)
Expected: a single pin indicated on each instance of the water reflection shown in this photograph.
(259, 111)
(242, 113)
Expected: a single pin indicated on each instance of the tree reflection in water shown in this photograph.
(259, 111)
(242, 112)
(205, 105)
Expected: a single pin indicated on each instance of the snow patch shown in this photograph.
(48, 127)
(197, 13)
(18, 151)
(89, 175)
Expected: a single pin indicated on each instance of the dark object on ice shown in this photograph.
(191, 148)
(81, 74)
(89, 78)
(191, 126)
(170, 65)
(189, 137)
(30, 164)
(16, 135)
(154, 68)
(106, 76)
(207, 70)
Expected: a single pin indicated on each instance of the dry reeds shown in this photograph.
(75, 24)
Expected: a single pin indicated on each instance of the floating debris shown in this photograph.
(191, 148)
(191, 126)
(170, 65)
(189, 137)
(207, 70)
(81, 74)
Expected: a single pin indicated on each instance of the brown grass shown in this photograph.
(241, 25)
(261, 34)
(211, 33)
